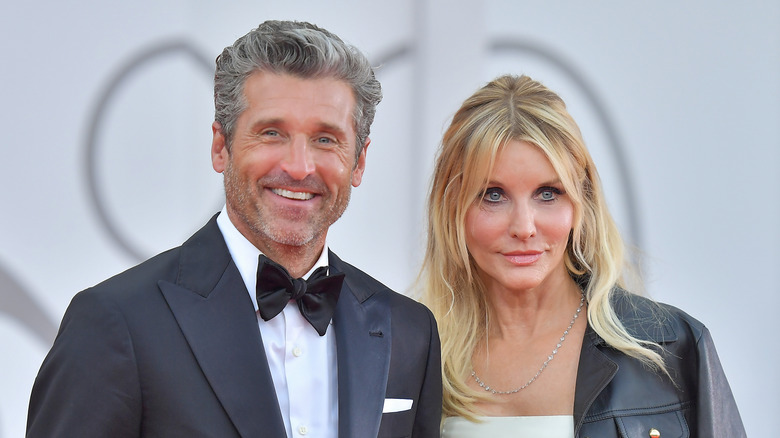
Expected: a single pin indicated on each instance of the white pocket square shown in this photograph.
(396, 405)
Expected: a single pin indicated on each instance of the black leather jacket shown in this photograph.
(618, 397)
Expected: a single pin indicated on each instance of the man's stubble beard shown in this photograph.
(241, 200)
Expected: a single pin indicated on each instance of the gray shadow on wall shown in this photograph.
(19, 305)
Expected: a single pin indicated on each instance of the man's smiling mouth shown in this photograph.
(299, 196)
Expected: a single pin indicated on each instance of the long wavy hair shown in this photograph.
(514, 108)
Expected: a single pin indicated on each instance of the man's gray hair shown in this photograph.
(300, 49)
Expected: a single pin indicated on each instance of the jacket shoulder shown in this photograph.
(366, 287)
(653, 321)
(196, 264)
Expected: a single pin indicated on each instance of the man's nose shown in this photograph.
(299, 162)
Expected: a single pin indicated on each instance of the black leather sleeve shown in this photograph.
(716, 410)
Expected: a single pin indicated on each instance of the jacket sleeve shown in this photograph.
(427, 423)
(88, 384)
(716, 409)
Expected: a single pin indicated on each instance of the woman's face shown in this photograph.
(518, 229)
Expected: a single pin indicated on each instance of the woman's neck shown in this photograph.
(522, 313)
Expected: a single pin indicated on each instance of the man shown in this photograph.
(173, 346)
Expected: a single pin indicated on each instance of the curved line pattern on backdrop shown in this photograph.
(17, 302)
(391, 56)
(95, 124)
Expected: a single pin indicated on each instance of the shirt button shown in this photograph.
(297, 352)
(303, 430)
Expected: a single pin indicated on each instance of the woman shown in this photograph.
(524, 271)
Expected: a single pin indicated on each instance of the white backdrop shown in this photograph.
(106, 113)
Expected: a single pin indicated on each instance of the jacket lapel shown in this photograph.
(594, 373)
(363, 342)
(210, 303)
(642, 320)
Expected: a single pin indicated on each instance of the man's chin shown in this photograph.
(290, 236)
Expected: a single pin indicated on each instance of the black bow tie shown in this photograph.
(316, 297)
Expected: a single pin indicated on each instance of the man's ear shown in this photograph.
(219, 151)
(360, 165)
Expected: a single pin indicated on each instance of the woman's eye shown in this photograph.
(549, 194)
(492, 195)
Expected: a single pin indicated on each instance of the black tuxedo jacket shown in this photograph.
(171, 348)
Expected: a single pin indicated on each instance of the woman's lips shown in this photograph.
(523, 258)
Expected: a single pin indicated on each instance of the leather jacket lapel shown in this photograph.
(594, 373)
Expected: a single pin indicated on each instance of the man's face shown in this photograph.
(291, 165)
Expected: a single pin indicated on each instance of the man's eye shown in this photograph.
(271, 133)
(325, 140)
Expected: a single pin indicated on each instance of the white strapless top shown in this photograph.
(553, 426)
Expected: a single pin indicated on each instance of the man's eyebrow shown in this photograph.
(263, 122)
(330, 127)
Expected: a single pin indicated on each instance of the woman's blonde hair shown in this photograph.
(514, 108)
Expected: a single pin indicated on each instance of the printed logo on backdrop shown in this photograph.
(145, 181)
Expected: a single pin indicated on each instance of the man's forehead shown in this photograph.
(325, 101)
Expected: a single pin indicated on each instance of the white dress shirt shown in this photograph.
(303, 364)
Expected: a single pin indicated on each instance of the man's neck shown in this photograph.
(298, 260)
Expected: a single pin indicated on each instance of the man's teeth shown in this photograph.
(301, 196)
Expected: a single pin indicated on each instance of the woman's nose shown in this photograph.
(522, 224)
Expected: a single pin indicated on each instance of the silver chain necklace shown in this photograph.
(484, 386)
